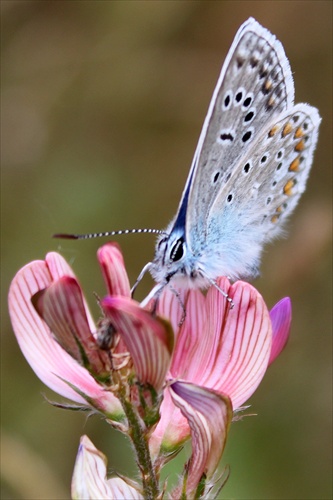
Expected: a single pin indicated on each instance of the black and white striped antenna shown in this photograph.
(89, 236)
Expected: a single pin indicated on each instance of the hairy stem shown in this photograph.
(140, 443)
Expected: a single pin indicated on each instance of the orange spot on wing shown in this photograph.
(294, 165)
(299, 133)
(275, 218)
(300, 146)
(288, 187)
(268, 84)
(287, 129)
(271, 102)
(273, 130)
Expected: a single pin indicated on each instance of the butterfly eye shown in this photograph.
(177, 250)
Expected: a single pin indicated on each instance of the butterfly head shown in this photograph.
(170, 257)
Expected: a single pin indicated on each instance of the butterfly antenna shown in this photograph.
(107, 233)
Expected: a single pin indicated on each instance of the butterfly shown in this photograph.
(249, 170)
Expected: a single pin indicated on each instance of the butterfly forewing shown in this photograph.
(255, 85)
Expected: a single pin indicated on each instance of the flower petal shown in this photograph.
(58, 267)
(171, 431)
(48, 360)
(216, 347)
(209, 415)
(238, 361)
(62, 307)
(113, 269)
(89, 478)
(281, 320)
(148, 339)
(190, 334)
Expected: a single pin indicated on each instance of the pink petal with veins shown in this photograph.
(216, 347)
(171, 431)
(239, 361)
(281, 320)
(48, 360)
(62, 307)
(223, 348)
(209, 415)
(147, 338)
(113, 269)
(90, 477)
(58, 267)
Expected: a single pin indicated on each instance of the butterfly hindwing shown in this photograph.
(263, 190)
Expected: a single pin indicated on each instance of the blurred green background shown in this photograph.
(102, 106)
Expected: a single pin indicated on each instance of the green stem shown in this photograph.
(140, 443)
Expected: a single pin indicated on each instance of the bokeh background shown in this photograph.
(102, 106)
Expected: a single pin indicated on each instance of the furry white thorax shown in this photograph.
(201, 269)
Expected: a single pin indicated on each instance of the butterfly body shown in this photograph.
(250, 167)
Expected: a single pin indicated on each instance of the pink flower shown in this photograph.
(90, 477)
(218, 360)
(217, 347)
(63, 348)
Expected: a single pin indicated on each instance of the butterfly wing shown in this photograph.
(254, 86)
(249, 169)
(262, 191)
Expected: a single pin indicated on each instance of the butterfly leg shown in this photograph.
(229, 299)
(139, 278)
(177, 294)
